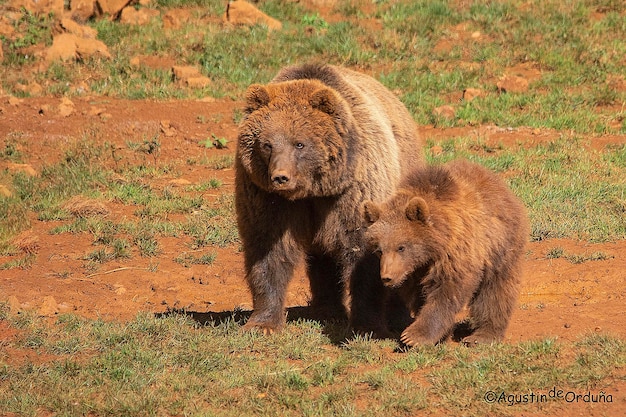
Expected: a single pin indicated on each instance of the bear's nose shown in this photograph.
(280, 177)
(386, 280)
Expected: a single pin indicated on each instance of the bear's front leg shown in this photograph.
(268, 280)
(433, 322)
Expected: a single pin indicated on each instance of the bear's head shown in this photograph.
(293, 139)
(400, 232)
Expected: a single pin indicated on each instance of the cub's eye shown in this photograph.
(299, 145)
(401, 248)
(267, 146)
(378, 253)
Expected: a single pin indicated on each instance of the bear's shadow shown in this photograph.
(337, 330)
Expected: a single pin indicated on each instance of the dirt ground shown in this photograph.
(559, 299)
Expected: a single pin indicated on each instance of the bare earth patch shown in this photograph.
(559, 298)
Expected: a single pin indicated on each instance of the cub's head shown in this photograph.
(399, 232)
(292, 141)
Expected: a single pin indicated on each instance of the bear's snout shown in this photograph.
(280, 177)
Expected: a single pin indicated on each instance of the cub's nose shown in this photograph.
(386, 280)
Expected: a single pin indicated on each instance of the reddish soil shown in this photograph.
(559, 299)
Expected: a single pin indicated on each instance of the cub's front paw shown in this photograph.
(414, 336)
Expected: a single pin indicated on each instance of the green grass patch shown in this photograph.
(168, 365)
(575, 48)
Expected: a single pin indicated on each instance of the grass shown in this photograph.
(576, 50)
(176, 366)
(173, 365)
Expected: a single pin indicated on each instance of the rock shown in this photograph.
(179, 182)
(190, 76)
(82, 10)
(175, 18)
(182, 73)
(241, 12)
(90, 47)
(49, 307)
(132, 16)
(63, 48)
(470, 94)
(14, 101)
(447, 112)
(69, 46)
(25, 168)
(5, 191)
(436, 150)
(33, 89)
(66, 107)
(512, 84)
(198, 82)
(167, 129)
(119, 289)
(39, 7)
(6, 28)
(70, 26)
(14, 305)
(112, 7)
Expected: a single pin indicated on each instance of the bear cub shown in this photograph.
(452, 236)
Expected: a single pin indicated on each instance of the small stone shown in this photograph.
(49, 307)
(66, 107)
(470, 94)
(447, 112)
(14, 305)
(436, 150)
(25, 168)
(119, 289)
(4, 191)
(512, 84)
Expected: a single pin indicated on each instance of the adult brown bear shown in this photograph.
(315, 143)
(453, 235)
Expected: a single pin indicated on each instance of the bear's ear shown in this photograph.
(324, 100)
(257, 96)
(417, 210)
(371, 213)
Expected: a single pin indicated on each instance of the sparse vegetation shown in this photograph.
(167, 365)
(428, 53)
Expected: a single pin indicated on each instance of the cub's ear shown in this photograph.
(417, 210)
(371, 213)
(257, 96)
(324, 100)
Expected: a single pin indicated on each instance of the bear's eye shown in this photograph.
(267, 146)
(299, 145)
(378, 252)
(401, 248)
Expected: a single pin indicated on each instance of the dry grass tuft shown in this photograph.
(80, 206)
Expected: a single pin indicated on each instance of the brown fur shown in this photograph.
(316, 142)
(453, 235)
